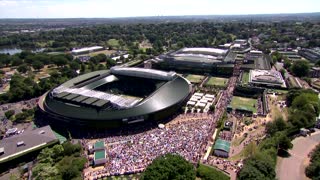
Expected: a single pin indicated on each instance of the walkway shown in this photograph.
(293, 167)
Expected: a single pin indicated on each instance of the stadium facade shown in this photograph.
(116, 97)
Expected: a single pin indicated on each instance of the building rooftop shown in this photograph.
(268, 77)
(205, 50)
(222, 145)
(98, 145)
(37, 138)
(87, 49)
(100, 154)
(143, 73)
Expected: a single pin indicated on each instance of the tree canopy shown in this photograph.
(59, 162)
(313, 170)
(300, 68)
(170, 166)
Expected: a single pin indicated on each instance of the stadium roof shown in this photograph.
(85, 49)
(30, 140)
(141, 72)
(167, 95)
(222, 145)
(205, 50)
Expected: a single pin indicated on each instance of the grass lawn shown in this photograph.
(195, 78)
(242, 102)
(113, 42)
(216, 81)
(107, 52)
(209, 172)
(237, 141)
(245, 78)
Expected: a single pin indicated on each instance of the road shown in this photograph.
(293, 167)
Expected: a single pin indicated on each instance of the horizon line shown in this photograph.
(119, 17)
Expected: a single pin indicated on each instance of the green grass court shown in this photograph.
(244, 103)
(195, 78)
(245, 78)
(217, 81)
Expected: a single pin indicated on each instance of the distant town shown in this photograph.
(191, 97)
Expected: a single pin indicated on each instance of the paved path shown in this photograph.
(293, 167)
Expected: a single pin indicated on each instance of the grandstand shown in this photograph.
(116, 97)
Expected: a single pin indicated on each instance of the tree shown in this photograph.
(74, 65)
(300, 68)
(212, 108)
(283, 141)
(59, 60)
(83, 68)
(283, 72)
(258, 167)
(313, 170)
(170, 166)
(110, 62)
(9, 113)
(23, 68)
(286, 63)
(318, 63)
(209, 173)
(37, 65)
(277, 125)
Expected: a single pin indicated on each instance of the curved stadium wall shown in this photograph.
(164, 101)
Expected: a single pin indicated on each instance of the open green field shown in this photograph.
(245, 78)
(107, 52)
(208, 172)
(217, 81)
(113, 42)
(195, 78)
(244, 103)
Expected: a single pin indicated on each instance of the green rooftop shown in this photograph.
(99, 144)
(99, 154)
(222, 145)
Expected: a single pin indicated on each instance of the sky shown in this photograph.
(136, 8)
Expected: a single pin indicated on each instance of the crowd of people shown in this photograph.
(226, 135)
(187, 136)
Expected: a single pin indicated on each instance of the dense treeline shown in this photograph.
(304, 106)
(60, 162)
(23, 87)
(171, 35)
(313, 170)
